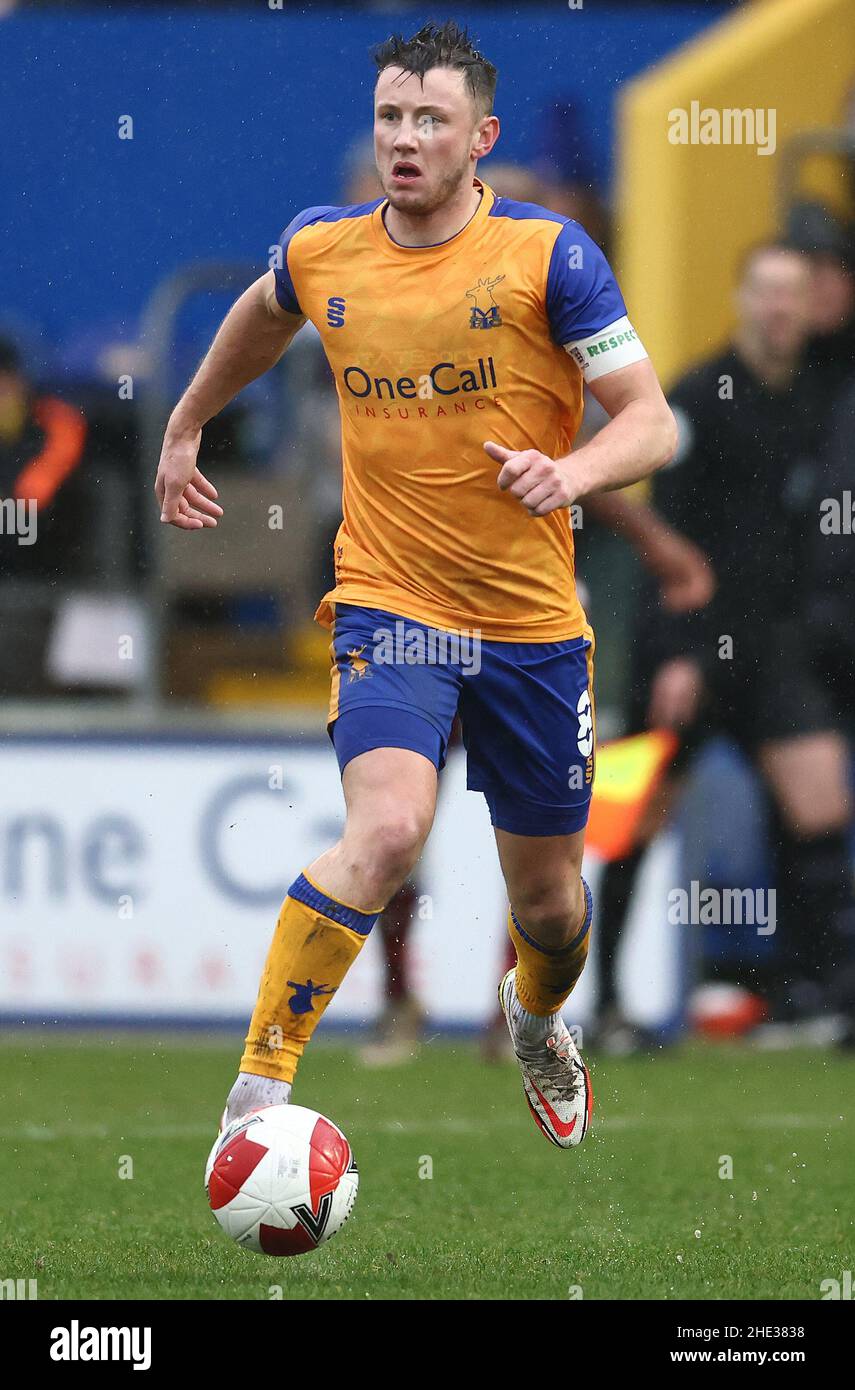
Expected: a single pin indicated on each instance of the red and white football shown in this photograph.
(281, 1180)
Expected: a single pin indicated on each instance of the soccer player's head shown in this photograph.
(773, 298)
(433, 115)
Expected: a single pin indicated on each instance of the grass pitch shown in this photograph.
(640, 1211)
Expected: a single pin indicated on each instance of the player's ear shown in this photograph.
(486, 136)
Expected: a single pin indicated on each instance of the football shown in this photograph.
(281, 1180)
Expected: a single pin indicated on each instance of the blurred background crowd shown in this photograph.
(109, 623)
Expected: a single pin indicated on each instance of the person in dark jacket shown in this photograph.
(42, 440)
(743, 486)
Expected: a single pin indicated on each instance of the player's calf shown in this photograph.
(317, 939)
(556, 1081)
(326, 917)
(548, 968)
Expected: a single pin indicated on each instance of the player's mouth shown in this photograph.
(404, 172)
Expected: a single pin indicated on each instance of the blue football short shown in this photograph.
(526, 711)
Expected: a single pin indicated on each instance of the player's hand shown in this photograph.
(685, 575)
(541, 484)
(187, 499)
(675, 695)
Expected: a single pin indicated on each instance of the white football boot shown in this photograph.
(555, 1079)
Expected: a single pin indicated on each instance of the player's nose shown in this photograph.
(406, 138)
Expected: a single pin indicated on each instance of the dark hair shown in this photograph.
(445, 46)
(818, 232)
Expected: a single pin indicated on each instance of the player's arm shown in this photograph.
(251, 339)
(640, 437)
(587, 318)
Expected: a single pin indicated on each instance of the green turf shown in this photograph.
(640, 1211)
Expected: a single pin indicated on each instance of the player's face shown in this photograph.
(424, 137)
(774, 301)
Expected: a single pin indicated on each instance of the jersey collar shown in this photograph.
(442, 248)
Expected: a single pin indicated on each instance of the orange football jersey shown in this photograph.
(434, 350)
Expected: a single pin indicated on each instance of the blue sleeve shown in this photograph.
(582, 295)
(285, 292)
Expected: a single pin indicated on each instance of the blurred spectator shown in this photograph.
(41, 448)
(829, 603)
(830, 248)
(743, 487)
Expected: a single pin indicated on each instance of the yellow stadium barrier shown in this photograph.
(700, 141)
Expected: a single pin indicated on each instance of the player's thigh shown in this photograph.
(543, 876)
(385, 684)
(528, 726)
(390, 795)
(808, 778)
(390, 720)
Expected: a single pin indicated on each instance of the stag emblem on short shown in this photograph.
(359, 667)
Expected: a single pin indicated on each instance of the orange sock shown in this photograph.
(316, 941)
(545, 977)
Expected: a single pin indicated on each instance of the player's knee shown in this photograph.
(399, 838)
(390, 846)
(550, 912)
